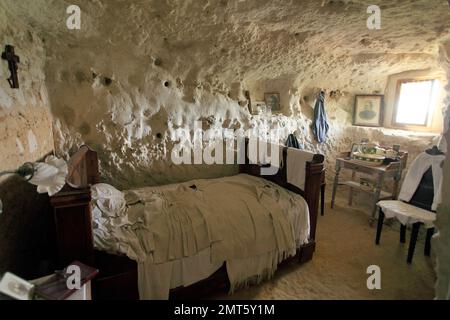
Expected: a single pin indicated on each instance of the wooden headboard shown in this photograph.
(73, 212)
(83, 168)
(72, 209)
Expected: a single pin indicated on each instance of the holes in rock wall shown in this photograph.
(84, 128)
(106, 81)
(159, 135)
(210, 120)
(334, 94)
(334, 2)
(157, 62)
(166, 84)
(80, 76)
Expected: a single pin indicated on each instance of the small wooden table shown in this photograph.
(54, 286)
(392, 170)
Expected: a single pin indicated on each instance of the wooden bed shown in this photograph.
(118, 277)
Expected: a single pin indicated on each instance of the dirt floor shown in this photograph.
(345, 248)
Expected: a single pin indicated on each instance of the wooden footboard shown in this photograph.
(118, 274)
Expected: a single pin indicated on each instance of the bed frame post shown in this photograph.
(313, 182)
(72, 212)
(72, 209)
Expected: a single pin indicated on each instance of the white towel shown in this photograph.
(296, 166)
(415, 173)
(407, 214)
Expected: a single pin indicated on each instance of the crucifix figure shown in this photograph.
(13, 60)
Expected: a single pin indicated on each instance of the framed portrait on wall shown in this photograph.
(272, 100)
(258, 107)
(368, 110)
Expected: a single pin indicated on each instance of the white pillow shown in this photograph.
(108, 199)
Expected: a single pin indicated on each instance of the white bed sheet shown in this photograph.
(155, 280)
(189, 270)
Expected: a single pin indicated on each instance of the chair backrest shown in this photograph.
(423, 197)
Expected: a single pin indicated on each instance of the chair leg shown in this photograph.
(379, 226)
(350, 196)
(430, 233)
(412, 242)
(322, 199)
(402, 233)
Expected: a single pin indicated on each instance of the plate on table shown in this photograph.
(373, 160)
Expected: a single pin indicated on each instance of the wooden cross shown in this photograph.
(13, 60)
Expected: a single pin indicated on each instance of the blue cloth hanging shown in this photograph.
(320, 124)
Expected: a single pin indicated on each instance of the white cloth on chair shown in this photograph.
(296, 166)
(406, 213)
(415, 173)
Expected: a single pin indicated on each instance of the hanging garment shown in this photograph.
(292, 142)
(320, 125)
(418, 167)
(442, 144)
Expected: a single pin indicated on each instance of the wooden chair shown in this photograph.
(416, 212)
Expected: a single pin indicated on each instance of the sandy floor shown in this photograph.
(345, 248)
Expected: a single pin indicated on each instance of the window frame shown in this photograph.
(428, 119)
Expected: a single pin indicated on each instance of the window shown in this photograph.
(416, 100)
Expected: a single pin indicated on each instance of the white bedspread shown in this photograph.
(182, 233)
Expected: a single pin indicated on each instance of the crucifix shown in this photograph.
(13, 60)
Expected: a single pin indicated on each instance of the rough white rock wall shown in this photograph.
(137, 71)
(107, 80)
(131, 124)
(441, 243)
(25, 135)
(25, 121)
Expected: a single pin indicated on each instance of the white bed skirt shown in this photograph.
(248, 222)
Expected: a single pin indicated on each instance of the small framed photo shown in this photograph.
(272, 100)
(257, 107)
(16, 287)
(368, 110)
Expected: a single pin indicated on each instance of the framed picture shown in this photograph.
(16, 287)
(368, 110)
(257, 107)
(272, 100)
